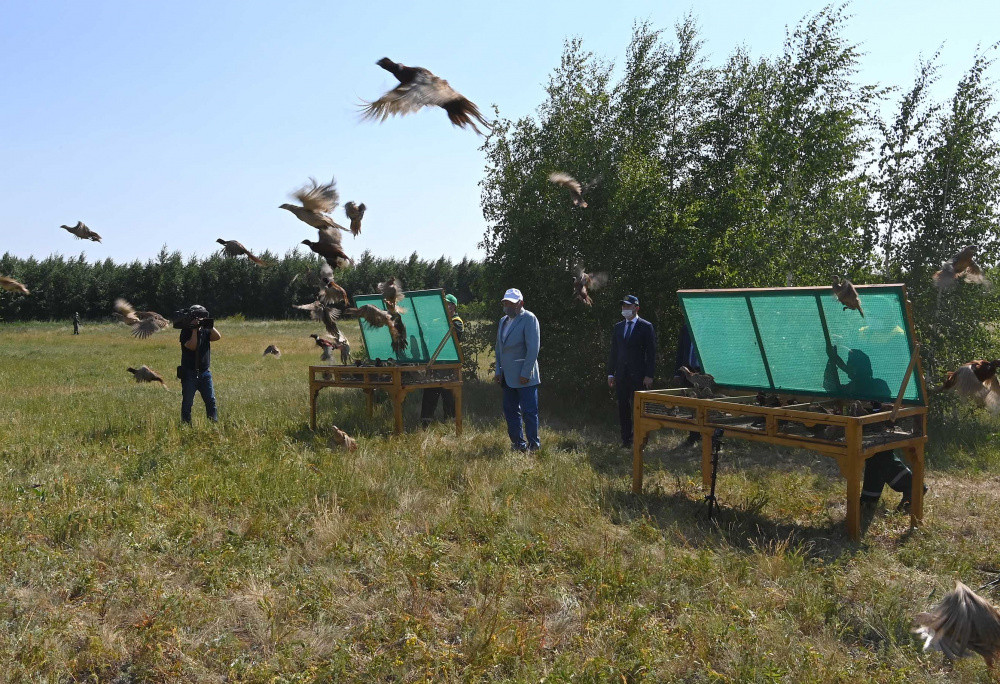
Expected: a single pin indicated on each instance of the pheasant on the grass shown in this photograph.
(342, 439)
(272, 351)
(961, 623)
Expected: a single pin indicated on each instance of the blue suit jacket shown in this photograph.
(634, 358)
(517, 355)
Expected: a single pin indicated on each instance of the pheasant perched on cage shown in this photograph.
(703, 384)
(961, 266)
(976, 380)
(962, 622)
(846, 294)
(419, 88)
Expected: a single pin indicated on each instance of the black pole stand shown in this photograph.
(716, 448)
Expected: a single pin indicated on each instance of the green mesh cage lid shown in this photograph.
(426, 321)
(800, 340)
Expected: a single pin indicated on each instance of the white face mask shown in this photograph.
(628, 313)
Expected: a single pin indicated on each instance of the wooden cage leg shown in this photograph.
(312, 407)
(398, 398)
(457, 391)
(370, 401)
(915, 455)
(706, 460)
(852, 468)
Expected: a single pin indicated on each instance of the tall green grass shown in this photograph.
(136, 549)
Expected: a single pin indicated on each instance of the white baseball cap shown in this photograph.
(512, 295)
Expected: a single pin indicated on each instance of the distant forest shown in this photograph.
(61, 286)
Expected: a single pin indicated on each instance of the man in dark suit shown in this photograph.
(632, 361)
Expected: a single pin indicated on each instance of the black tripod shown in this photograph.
(716, 448)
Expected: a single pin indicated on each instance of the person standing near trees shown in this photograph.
(631, 363)
(429, 401)
(76, 322)
(518, 341)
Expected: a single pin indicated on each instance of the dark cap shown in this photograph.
(631, 299)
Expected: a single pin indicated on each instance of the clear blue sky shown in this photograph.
(182, 122)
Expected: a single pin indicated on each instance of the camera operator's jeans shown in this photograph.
(518, 402)
(192, 383)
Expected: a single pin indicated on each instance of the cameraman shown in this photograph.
(197, 334)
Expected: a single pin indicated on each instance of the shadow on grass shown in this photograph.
(739, 525)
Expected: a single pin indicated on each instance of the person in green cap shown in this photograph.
(430, 399)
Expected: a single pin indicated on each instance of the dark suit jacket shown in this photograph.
(636, 357)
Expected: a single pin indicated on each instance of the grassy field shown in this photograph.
(135, 549)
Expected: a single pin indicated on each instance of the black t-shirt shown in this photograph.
(204, 356)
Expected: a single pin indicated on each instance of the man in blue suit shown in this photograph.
(632, 361)
(518, 340)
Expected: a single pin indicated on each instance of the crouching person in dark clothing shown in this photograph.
(197, 334)
(885, 468)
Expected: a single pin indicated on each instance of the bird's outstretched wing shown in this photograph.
(320, 198)
(425, 89)
(149, 324)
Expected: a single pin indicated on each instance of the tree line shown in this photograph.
(61, 286)
(756, 172)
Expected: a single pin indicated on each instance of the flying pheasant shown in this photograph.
(328, 246)
(962, 622)
(11, 285)
(573, 185)
(976, 380)
(962, 265)
(146, 374)
(843, 290)
(418, 88)
(584, 283)
(355, 212)
(391, 290)
(83, 232)
(232, 248)
(318, 202)
(144, 323)
(377, 318)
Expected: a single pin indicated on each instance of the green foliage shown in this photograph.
(756, 173)
(61, 286)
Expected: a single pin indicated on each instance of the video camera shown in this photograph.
(192, 317)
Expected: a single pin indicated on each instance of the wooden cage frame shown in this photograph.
(671, 408)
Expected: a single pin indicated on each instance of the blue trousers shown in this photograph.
(191, 383)
(518, 403)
